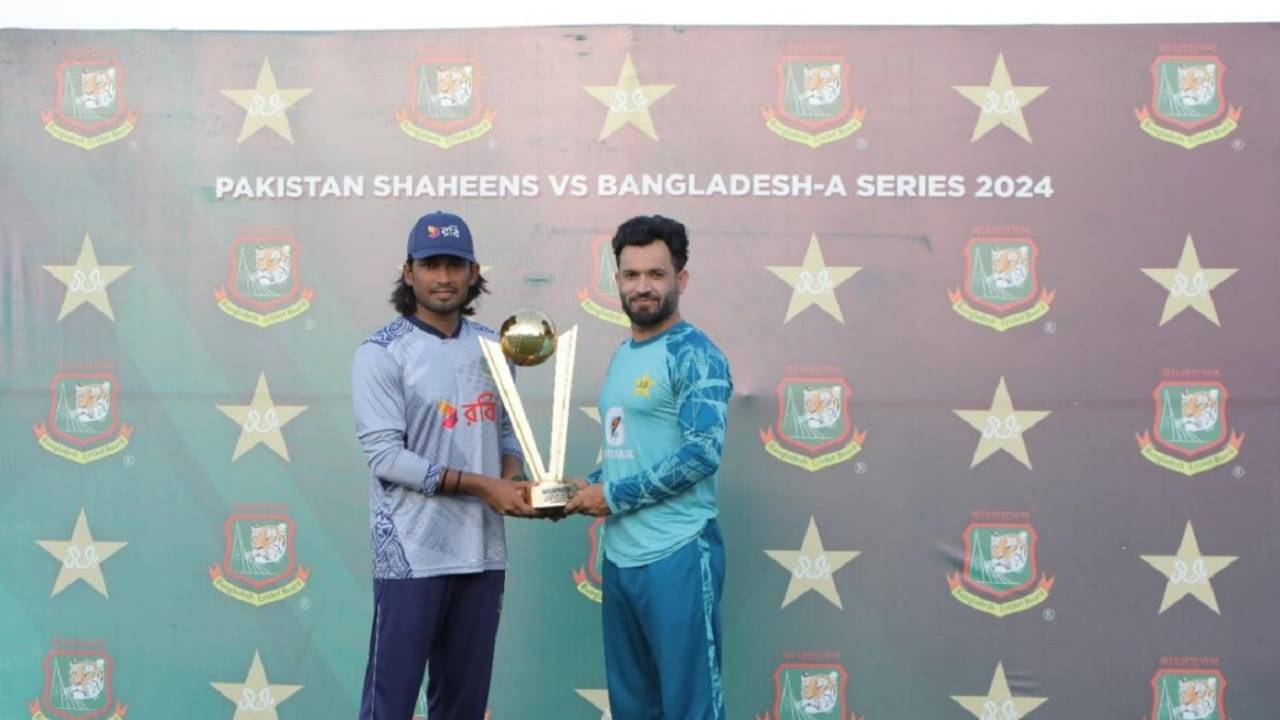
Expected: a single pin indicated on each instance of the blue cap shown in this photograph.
(441, 233)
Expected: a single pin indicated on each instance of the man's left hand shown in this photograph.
(589, 500)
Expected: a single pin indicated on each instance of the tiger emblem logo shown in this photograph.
(1008, 552)
(272, 264)
(819, 692)
(822, 406)
(1197, 699)
(97, 89)
(453, 86)
(1199, 410)
(1010, 267)
(1197, 84)
(269, 543)
(93, 401)
(88, 679)
(822, 84)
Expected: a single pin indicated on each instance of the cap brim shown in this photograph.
(453, 252)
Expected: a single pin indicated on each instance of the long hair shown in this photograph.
(405, 303)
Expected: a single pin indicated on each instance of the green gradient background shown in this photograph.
(1122, 201)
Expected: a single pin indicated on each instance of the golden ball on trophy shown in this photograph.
(528, 337)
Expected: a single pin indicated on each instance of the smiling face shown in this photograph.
(648, 284)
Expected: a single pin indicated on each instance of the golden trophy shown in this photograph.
(528, 338)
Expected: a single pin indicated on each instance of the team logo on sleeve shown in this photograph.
(263, 287)
(810, 685)
(77, 684)
(813, 429)
(90, 109)
(1190, 688)
(587, 578)
(259, 564)
(814, 105)
(1001, 287)
(84, 423)
(445, 108)
(1191, 434)
(1000, 575)
(600, 299)
(1187, 97)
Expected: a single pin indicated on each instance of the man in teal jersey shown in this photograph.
(664, 404)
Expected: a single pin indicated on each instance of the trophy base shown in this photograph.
(550, 497)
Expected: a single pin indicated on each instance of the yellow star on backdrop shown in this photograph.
(598, 698)
(1001, 102)
(87, 281)
(1189, 572)
(999, 700)
(593, 412)
(1001, 426)
(813, 282)
(261, 420)
(812, 567)
(1189, 284)
(81, 557)
(266, 104)
(255, 698)
(628, 101)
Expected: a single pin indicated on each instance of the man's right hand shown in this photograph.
(505, 497)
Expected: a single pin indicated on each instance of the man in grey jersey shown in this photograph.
(442, 457)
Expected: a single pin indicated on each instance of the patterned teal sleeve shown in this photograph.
(700, 377)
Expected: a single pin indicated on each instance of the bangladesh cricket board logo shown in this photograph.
(587, 578)
(814, 106)
(1001, 286)
(84, 423)
(1187, 93)
(1188, 694)
(1000, 569)
(600, 299)
(811, 686)
(1191, 431)
(259, 565)
(90, 109)
(77, 684)
(263, 287)
(813, 430)
(445, 108)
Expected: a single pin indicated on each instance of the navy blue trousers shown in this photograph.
(451, 621)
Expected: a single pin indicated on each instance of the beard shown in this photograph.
(665, 306)
(441, 306)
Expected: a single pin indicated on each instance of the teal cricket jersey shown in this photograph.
(664, 406)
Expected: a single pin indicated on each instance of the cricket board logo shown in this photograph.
(600, 299)
(89, 109)
(444, 108)
(587, 578)
(1188, 94)
(1191, 434)
(810, 686)
(263, 286)
(1001, 285)
(1190, 689)
(813, 429)
(1000, 575)
(259, 565)
(84, 423)
(814, 106)
(77, 684)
